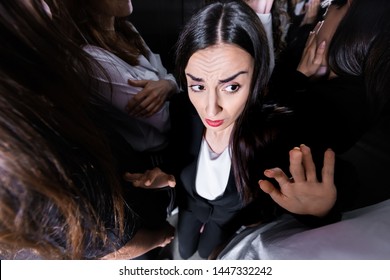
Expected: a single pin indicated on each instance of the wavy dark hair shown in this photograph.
(360, 44)
(59, 193)
(234, 22)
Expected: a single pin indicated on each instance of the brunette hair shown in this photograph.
(235, 23)
(59, 193)
(359, 47)
(76, 18)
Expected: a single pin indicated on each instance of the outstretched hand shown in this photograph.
(151, 98)
(303, 193)
(143, 241)
(151, 179)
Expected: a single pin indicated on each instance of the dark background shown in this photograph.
(160, 22)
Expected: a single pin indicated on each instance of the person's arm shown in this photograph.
(154, 93)
(151, 179)
(263, 11)
(143, 241)
(152, 96)
(155, 61)
(296, 79)
(112, 74)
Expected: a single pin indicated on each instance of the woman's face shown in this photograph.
(112, 8)
(219, 79)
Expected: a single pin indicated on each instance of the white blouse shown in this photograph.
(144, 134)
(212, 173)
(266, 20)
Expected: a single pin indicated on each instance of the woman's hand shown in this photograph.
(151, 179)
(312, 57)
(311, 11)
(261, 6)
(151, 98)
(143, 241)
(303, 193)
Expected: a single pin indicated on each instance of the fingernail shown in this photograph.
(267, 172)
(319, 26)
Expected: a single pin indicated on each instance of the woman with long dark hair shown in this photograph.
(232, 136)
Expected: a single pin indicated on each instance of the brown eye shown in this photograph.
(232, 88)
(197, 88)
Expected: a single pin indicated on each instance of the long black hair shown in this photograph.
(234, 22)
(359, 45)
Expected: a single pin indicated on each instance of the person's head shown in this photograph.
(359, 47)
(103, 23)
(57, 180)
(223, 41)
(103, 12)
(219, 81)
(350, 42)
(222, 58)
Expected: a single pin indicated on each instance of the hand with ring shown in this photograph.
(303, 193)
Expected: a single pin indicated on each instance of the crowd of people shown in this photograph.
(266, 113)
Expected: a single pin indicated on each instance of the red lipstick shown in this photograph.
(214, 123)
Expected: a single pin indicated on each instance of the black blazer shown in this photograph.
(229, 208)
(221, 209)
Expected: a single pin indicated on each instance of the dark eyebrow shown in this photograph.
(232, 77)
(194, 78)
(220, 81)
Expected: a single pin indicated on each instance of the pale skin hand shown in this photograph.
(303, 194)
(261, 6)
(151, 179)
(143, 241)
(151, 98)
(312, 56)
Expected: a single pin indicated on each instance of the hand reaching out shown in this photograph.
(151, 179)
(151, 98)
(143, 241)
(303, 194)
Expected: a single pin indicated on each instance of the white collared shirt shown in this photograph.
(213, 172)
(144, 134)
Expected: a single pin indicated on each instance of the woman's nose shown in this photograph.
(213, 105)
